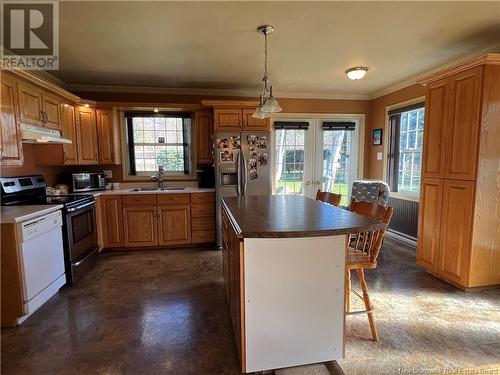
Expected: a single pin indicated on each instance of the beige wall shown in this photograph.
(378, 119)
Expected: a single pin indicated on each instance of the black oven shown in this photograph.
(81, 247)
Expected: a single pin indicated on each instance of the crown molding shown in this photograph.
(205, 92)
(420, 78)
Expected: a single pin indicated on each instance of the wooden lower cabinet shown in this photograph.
(456, 230)
(112, 221)
(174, 224)
(429, 222)
(232, 260)
(140, 226)
(446, 219)
(147, 220)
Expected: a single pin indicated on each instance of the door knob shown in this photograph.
(308, 182)
(318, 182)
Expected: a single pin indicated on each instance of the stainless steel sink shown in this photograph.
(159, 189)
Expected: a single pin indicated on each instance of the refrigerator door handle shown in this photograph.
(245, 173)
(238, 164)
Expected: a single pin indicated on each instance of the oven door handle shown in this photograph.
(73, 209)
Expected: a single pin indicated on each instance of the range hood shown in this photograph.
(39, 135)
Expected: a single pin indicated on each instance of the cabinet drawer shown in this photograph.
(202, 236)
(202, 223)
(139, 199)
(202, 210)
(173, 198)
(202, 197)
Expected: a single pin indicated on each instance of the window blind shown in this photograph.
(338, 125)
(296, 125)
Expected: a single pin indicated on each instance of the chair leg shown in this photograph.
(347, 290)
(368, 305)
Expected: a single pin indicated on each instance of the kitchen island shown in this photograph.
(284, 264)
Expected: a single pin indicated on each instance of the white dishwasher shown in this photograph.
(42, 260)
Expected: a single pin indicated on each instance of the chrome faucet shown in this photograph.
(160, 176)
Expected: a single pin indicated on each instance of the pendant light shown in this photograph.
(268, 103)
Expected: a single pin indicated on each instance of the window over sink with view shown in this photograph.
(159, 139)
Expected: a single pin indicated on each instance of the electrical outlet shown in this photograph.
(379, 156)
(108, 173)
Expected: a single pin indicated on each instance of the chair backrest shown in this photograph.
(331, 198)
(371, 191)
(370, 242)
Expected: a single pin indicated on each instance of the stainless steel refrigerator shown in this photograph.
(242, 167)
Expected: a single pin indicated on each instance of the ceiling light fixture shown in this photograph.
(86, 105)
(155, 110)
(356, 73)
(268, 103)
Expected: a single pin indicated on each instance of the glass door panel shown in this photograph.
(292, 162)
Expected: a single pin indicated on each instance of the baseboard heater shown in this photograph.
(405, 218)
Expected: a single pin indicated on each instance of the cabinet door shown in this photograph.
(30, 103)
(429, 220)
(86, 131)
(463, 131)
(254, 124)
(10, 133)
(456, 227)
(228, 119)
(113, 220)
(50, 106)
(140, 226)
(68, 130)
(105, 136)
(175, 224)
(436, 111)
(204, 134)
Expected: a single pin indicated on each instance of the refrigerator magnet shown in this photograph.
(252, 163)
(222, 143)
(253, 174)
(253, 152)
(261, 144)
(235, 142)
(262, 159)
(251, 140)
(226, 157)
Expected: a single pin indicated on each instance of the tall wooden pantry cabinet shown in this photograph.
(459, 218)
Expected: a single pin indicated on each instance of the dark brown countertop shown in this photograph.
(281, 216)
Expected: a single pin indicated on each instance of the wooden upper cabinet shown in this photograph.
(254, 124)
(463, 124)
(105, 135)
(112, 218)
(204, 133)
(436, 105)
(50, 108)
(228, 119)
(30, 104)
(174, 224)
(456, 230)
(68, 130)
(10, 132)
(86, 131)
(431, 197)
(140, 226)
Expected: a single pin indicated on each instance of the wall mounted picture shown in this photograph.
(377, 137)
(226, 157)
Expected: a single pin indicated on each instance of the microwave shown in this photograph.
(88, 181)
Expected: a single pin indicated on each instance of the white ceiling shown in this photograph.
(214, 45)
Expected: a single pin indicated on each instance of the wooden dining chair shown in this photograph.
(331, 198)
(362, 252)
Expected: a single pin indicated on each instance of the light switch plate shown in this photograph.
(108, 173)
(379, 156)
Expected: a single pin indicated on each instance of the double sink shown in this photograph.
(172, 188)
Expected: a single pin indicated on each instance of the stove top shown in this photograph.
(65, 200)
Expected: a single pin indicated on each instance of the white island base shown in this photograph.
(293, 301)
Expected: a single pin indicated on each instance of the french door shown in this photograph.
(319, 154)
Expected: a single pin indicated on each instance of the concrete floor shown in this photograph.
(163, 312)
